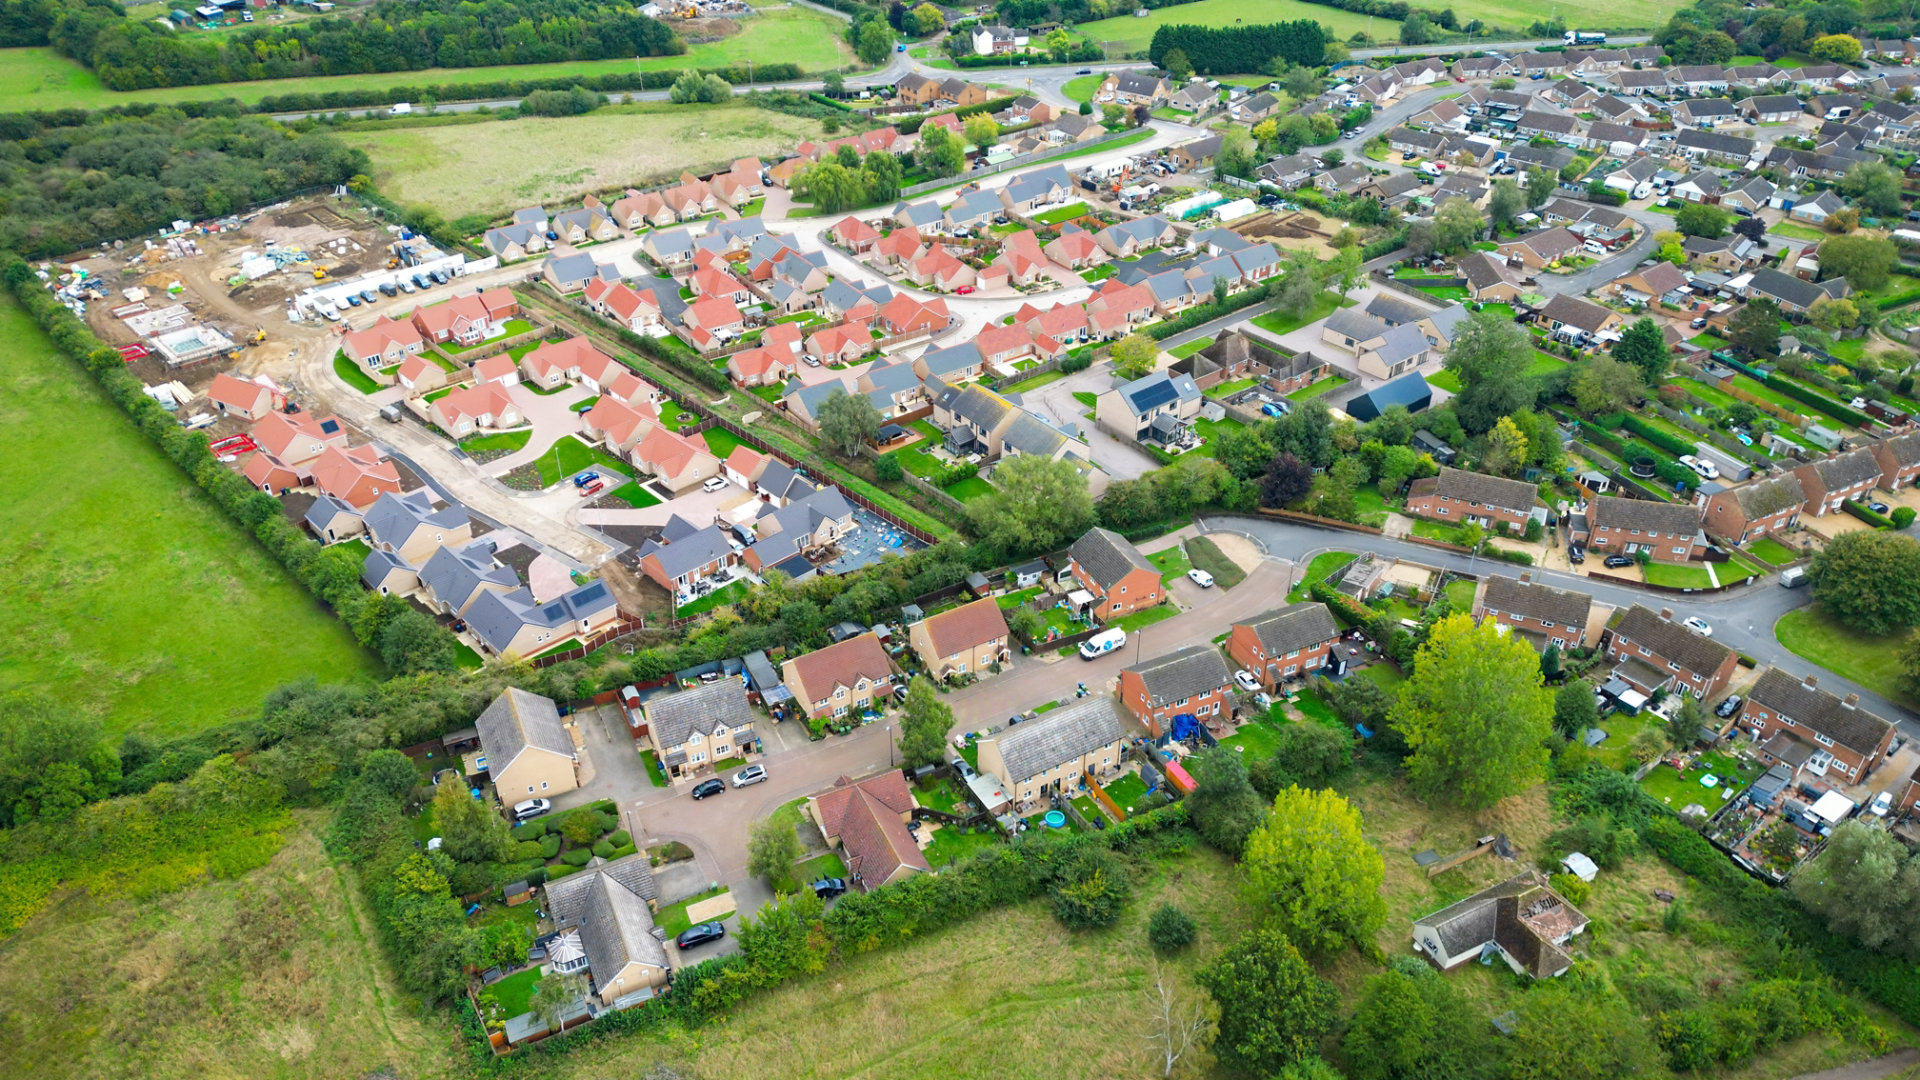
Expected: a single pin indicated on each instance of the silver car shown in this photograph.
(752, 774)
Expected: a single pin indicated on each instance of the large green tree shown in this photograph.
(924, 724)
(1865, 260)
(1312, 871)
(1037, 504)
(940, 151)
(470, 830)
(1223, 807)
(1645, 347)
(1870, 581)
(848, 422)
(1273, 1009)
(1875, 188)
(773, 846)
(1475, 714)
(1755, 328)
(1574, 709)
(1491, 356)
(1866, 885)
(1575, 1029)
(1411, 1022)
(52, 760)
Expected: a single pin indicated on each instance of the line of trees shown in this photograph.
(1226, 49)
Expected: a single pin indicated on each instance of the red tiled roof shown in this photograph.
(962, 628)
(843, 664)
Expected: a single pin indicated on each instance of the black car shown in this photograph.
(1615, 562)
(828, 888)
(1084, 71)
(1576, 554)
(1877, 507)
(713, 786)
(700, 935)
(1728, 707)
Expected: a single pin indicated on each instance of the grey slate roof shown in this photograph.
(1646, 515)
(496, 617)
(1356, 324)
(1401, 343)
(673, 717)
(566, 896)
(1150, 392)
(616, 928)
(516, 720)
(1107, 557)
(1850, 726)
(1394, 311)
(1575, 312)
(1531, 600)
(690, 550)
(1034, 185)
(455, 575)
(1493, 915)
(1769, 496)
(1487, 490)
(1294, 627)
(392, 518)
(1184, 673)
(1671, 641)
(1065, 733)
(1028, 434)
(1845, 470)
(325, 509)
(378, 564)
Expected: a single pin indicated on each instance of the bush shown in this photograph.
(603, 849)
(549, 845)
(1870, 516)
(1347, 607)
(577, 857)
(1090, 890)
(1521, 557)
(619, 838)
(1902, 516)
(886, 469)
(529, 849)
(1171, 928)
(1660, 437)
(531, 830)
(1571, 887)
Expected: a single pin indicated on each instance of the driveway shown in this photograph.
(552, 418)
(1120, 460)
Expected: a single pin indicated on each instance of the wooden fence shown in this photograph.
(621, 627)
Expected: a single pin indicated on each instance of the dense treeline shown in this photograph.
(65, 188)
(392, 35)
(1714, 31)
(1227, 49)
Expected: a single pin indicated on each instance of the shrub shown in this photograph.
(886, 469)
(581, 826)
(603, 849)
(1902, 516)
(549, 846)
(532, 830)
(1870, 516)
(577, 857)
(529, 849)
(619, 838)
(1571, 887)
(1660, 437)
(1170, 928)
(1089, 890)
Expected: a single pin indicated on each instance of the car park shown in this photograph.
(1200, 578)
(704, 788)
(407, 286)
(828, 888)
(752, 774)
(700, 935)
(1244, 680)
(1698, 625)
(367, 296)
(532, 808)
(1615, 562)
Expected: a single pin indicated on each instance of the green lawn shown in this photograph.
(1279, 322)
(1140, 620)
(1794, 230)
(1086, 397)
(1454, 293)
(515, 991)
(1445, 380)
(1064, 213)
(569, 456)
(1181, 352)
(1460, 591)
(1228, 389)
(1255, 741)
(1322, 566)
(1033, 383)
(1712, 395)
(1678, 575)
(1772, 551)
(673, 417)
(1383, 675)
(351, 374)
(950, 844)
(509, 441)
(720, 441)
(651, 761)
(1173, 563)
(970, 488)
(1207, 556)
(725, 594)
(131, 598)
(830, 865)
(634, 496)
(1314, 708)
(1128, 790)
(1133, 34)
(673, 917)
(1873, 662)
(1082, 88)
(1316, 389)
(1672, 789)
(1095, 274)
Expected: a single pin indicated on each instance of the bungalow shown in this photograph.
(1482, 67)
(1772, 108)
(1284, 644)
(1644, 285)
(1749, 511)
(386, 343)
(1727, 253)
(467, 320)
(357, 477)
(467, 410)
(642, 209)
(638, 311)
(799, 530)
(411, 526)
(712, 321)
(855, 235)
(670, 248)
(1392, 189)
(1537, 250)
(1794, 721)
(1713, 146)
(1075, 249)
(1704, 112)
(1488, 279)
(1836, 479)
(552, 363)
(1058, 752)
(1558, 126)
(693, 728)
(1638, 82)
(1668, 532)
(571, 273)
(1195, 97)
(1457, 495)
(1796, 296)
(867, 821)
(1194, 155)
(515, 625)
(684, 555)
(1817, 209)
(584, 225)
(690, 198)
(453, 578)
(1570, 313)
(617, 424)
(1521, 920)
(1190, 681)
(938, 269)
(244, 398)
(907, 315)
(528, 749)
(1546, 616)
(1254, 109)
(1113, 578)
(844, 343)
(332, 520)
(1652, 652)
(297, 438)
(1134, 88)
(969, 638)
(604, 920)
(512, 243)
(1030, 191)
(680, 462)
(848, 677)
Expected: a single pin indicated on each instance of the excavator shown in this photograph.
(259, 335)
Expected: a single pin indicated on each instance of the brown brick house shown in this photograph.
(1750, 511)
(1653, 652)
(1541, 613)
(1899, 459)
(839, 679)
(1669, 532)
(867, 821)
(1120, 579)
(1796, 722)
(1284, 643)
(1458, 495)
(1191, 680)
(970, 637)
(1836, 479)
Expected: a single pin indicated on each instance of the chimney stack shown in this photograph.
(1851, 701)
(1813, 682)
(1666, 614)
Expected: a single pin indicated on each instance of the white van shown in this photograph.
(1102, 643)
(1793, 577)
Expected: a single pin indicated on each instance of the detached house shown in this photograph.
(1669, 532)
(1134, 88)
(1537, 250)
(1114, 579)
(680, 462)
(1544, 615)
(851, 676)
(386, 343)
(1521, 920)
(969, 638)
(1156, 408)
(1652, 653)
(604, 917)
(1572, 314)
(1831, 481)
(410, 526)
(1191, 681)
(1746, 513)
(1796, 723)
(867, 821)
(695, 727)
(1057, 752)
(1456, 495)
(685, 555)
(248, 400)
(1284, 644)
(529, 751)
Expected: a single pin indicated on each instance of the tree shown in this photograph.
(1235, 156)
(1574, 709)
(1089, 889)
(714, 89)
(1699, 219)
(1333, 158)
(470, 831)
(1865, 260)
(1037, 504)
(1306, 432)
(1265, 132)
(1866, 885)
(1572, 1029)
(554, 995)
(1834, 313)
(773, 846)
(1059, 41)
(389, 772)
(927, 19)
(1224, 807)
(1135, 355)
(1288, 481)
(940, 151)
(1643, 346)
(1670, 246)
(1309, 755)
(833, 83)
(1301, 83)
(1540, 184)
(1411, 1022)
(1026, 623)
(924, 724)
(1506, 203)
(883, 176)
(1243, 451)
(848, 422)
(1457, 224)
(1398, 464)
(873, 41)
(830, 186)
(411, 642)
(1475, 714)
(1491, 356)
(981, 130)
(1835, 49)
(1179, 68)
(52, 760)
(1755, 328)
(1113, 115)
(1175, 1027)
(1753, 228)
(685, 89)
(1171, 928)
(1605, 385)
(1869, 581)
(1875, 187)
(1422, 239)
(1312, 871)
(1506, 448)
(1340, 488)
(1415, 29)
(1273, 1009)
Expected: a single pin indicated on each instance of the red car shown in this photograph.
(593, 489)
(964, 290)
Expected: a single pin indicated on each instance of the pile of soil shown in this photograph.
(696, 31)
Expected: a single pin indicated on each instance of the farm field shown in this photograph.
(134, 598)
(39, 78)
(494, 167)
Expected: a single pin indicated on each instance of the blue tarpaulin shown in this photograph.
(1185, 725)
(1365, 732)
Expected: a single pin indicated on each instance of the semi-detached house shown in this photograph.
(1667, 532)
(840, 679)
(1542, 614)
(1113, 578)
(529, 752)
(1469, 497)
(1054, 753)
(1652, 652)
(1899, 459)
(1752, 510)
(1190, 681)
(1794, 722)
(692, 729)
(1832, 481)
(969, 638)
(1285, 643)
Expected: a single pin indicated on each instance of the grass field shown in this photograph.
(131, 596)
(273, 973)
(1207, 556)
(495, 166)
(1678, 575)
(1794, 230)
(1872, 662)
(1773, 551)
(39, 78)
(1082, 88)
(1279, 323)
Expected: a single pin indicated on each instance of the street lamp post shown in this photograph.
(889, 730)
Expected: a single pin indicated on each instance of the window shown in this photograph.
(1788, 721)
(1443, 510)
(839, 712)
(1822, 739)
(529, 789)
(1547, 623)
(696, 758)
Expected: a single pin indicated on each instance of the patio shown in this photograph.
(872, 539)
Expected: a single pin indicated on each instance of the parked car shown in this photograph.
(353, 300)
(367, 295)
(1698, 625)
(1877, 507)
(1576, 554)
(439, 276)
(1244, 680)
(712, 786)
(1699, 322)
(1200, 578)
(700, 935)
(811, 360)
(1083, 71)
(962, 769)
(407, 286)
(752, 774)
(389, 289)
(1615, 562)
(714, 484)
(531, 809)
(1276, 409)
(828, 888)
(964, 290)
(1728, 707)
(585, 478)
(1882, 803)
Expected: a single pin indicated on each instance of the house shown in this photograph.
(638, 310)
(1254, 109)
(1752, 194)
(1639, 82)
(642, 209)
(1133, 88)
(851, 676)
(855, 235)
(386, 343)
(332, 520)
(551, 364)
(989, 40)
(571, 273)
(454, 577)
(1701, 187)
(467, 320)
(1772, 108)
(799, 529)
(1570, 313)
(411, 526)
(1190, 681)
(1652, 652)
(1410, 391)
(843, 344)
(1116, 308)
(617, 424)
(1794, 721)
(1354, 330)
(1704, 112)
(1713, 146)
(529, 751)
(1236, 355)
(583, 225)
(1521, 920)
(968, 638)
(357, 477)
(681, 462)
(1558, 126)
(421, 375)
(244, 398)
(1457, 495)
(1029, 191)
(1749, 511)
(1113, 578)
(1833, 480)
(604, 922)
(1393, 189)
(1537, 250)
(691, 729)
(1195, 97)
(1646, 284)
(1615, 138)
(940, 270)
(465, 411)
(297, 438)
(1482, 67)
(1057, 752)
(1546, 616)
(867, 821)
(1135, 236)
(1284, 644)
(1668, 532)
(1796, 296)
(1194, 155)
(1153, 408)
(1075, 248)
(684, 555)
(905, 314)
(1899, 459)
(514, 242)
(513, 624)
(1731, 254)
(712, 321)
(768, 365)
(1489, 280)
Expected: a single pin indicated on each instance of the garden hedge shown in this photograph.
(1820, 401)
(1660, 437)
(1867, 514)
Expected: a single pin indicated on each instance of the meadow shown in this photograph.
(131, 596)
